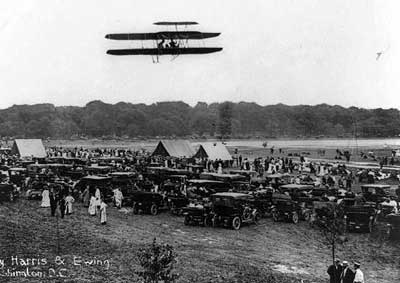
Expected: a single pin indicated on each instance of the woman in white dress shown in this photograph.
(45, 197)
(118, 198)
(69, 200)
(92, 206)
(98, 199)
(103, 213)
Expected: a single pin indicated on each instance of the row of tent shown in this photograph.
(183, 148)
(168, 148)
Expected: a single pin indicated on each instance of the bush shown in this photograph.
(157, 261)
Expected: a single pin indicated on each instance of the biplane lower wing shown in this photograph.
(164, 51)
(162, 35)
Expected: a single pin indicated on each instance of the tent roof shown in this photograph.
(174, 148)
(29, 148)
(214, 151)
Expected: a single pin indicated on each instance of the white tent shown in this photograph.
(29, 148)
(213, 151)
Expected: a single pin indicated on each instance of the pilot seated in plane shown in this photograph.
(173, 44)
(160, 45)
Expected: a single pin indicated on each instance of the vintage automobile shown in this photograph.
(360, 217)
(286, 209)
(198, 215)
(227, 178)
(17, 175)
(296, 190)
(263, 200)
(8, 192)
(148, 202)
(393, 226)
(35, 190)
(95, 169)
(125, 181)
(96, 181)
(233, 209)
(57, 168)
(173, 192)
(249, 174)
(377, 192)
(200, 188)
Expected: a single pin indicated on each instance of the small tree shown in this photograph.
(332, 227)
(157, 261)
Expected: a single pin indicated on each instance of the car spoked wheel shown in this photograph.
(295, 217)
(236, 223)
(307, 216)
(208, 222)
(154, 209)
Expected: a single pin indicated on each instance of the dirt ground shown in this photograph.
(204, 254)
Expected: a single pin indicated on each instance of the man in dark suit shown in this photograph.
(53, 202)
(347, 275)
(334, 271)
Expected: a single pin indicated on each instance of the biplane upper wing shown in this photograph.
(162, 35)
(164, 51)
(175, 23)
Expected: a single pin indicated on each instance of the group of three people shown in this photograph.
(61, 199)
(340, 272)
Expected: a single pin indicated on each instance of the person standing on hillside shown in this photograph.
(69, 200)
(358, 275)
(62, 204)
(45, 197)
(347, 275)
(53, 201)
(334, 271)
(92, 206)
(103, 213)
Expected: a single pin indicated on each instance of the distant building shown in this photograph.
(174, 148)
(213, 151)
(28, 148)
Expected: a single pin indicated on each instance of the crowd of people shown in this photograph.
(61, 200)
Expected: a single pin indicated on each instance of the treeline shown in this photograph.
(178, 119)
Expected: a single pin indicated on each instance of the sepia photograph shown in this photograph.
(207, 141)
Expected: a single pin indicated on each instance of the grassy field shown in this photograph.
(204, 254)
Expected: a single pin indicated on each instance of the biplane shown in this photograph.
(173, 43)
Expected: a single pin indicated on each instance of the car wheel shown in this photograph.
(307, 216)
(187, 220)
(154, 209)
(208, 221)
(295, 217)
(135, 208)
(236, 223)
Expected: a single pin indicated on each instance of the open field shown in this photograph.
(254, 148)
(204, 254)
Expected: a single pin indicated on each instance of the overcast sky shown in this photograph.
(275, 51)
